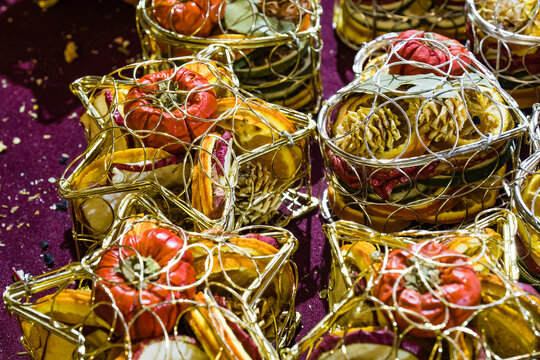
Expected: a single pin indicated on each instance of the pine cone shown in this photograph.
(256, 200)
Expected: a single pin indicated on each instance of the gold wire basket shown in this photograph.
(505, 36)
(376, 318)
(244, 161)
(488, 241)
(524, 194)
(431, 149)
(361, 21)
(277, 44)
(211, 293)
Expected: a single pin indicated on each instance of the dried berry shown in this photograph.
(63, 160)
(44, 245)
(61, 206)
(48, 259)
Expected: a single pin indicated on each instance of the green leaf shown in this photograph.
(243, 17)
(426, 85)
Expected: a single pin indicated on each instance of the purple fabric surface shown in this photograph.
(39, 124)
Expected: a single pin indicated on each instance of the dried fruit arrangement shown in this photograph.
(156, 291)
(257, 194)
(423, 136)
(360, 21)
(421, 295)
(275, 43)
(505, 36)
(208, 153)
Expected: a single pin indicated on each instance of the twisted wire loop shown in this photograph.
(505, 36)
(524, 202)
(274, 42)
(376, 317)
(534, 129)
(360, 21)
(157, 290)
(181, 131)
(418, 144)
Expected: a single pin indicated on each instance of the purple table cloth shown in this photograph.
(39, 126)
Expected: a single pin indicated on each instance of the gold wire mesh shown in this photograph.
(80, 312)
(277, 44)
(505, 36)
(360, 21)
(425, 150)
(524, 194)
(360, 325)
(247, 161)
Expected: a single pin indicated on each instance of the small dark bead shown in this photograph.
(44, 245)
(62, 205)
(63, 160)
(49, 259)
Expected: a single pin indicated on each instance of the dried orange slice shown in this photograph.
(470, 203)
(471, 246)
(94, 123)
(359, 255)
(214, 74)
(346, 210)
(489, 109)
(506, 329)
(255, 125)
(360, 126)
(213, 330)
(240, 262)
(357, 259)
(73, 307)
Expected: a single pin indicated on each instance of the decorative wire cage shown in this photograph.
(181, 130)
(357, 22)
(489, 241)
(505, 36)
(379, 318)
(277, 44)
(215, 294)
(427, 150)
(524, 195)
